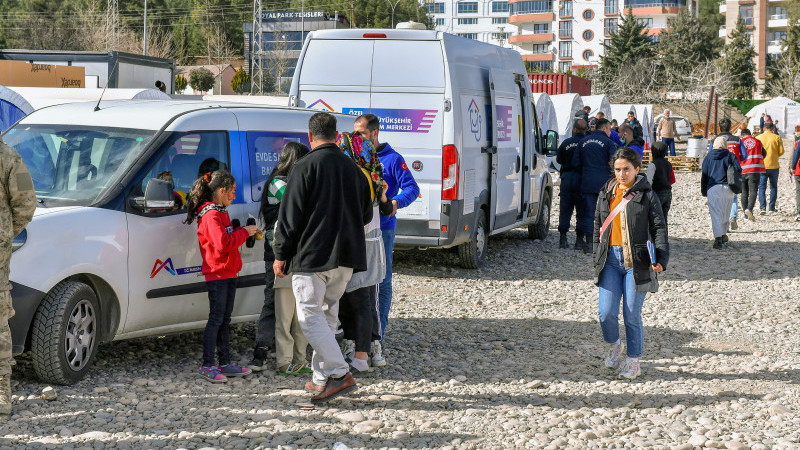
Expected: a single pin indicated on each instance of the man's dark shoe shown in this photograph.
(717, 243)
(562, 243)
(724, 238)
(578, 242)
(335, 388)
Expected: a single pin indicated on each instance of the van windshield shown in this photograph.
(71, 165)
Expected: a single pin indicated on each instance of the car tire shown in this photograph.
(65, 333)
(541, 227)
(472, 254)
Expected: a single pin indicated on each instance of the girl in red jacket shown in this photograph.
(211, 194)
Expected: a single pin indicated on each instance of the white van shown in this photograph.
(459, 111)
(107, 255)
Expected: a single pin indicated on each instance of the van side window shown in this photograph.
(264, 149)
(184, 158)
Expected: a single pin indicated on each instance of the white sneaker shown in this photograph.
(348, 348)
(376, 353)
(612, 355)
(631, 369)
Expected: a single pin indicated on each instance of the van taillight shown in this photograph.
(449, 172)
(374, 35)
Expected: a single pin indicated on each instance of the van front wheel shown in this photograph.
(473, 252)
(539, 229)
(64, 335)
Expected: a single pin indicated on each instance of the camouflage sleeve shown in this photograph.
(21, 195)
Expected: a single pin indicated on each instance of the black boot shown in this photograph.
(562, 243)
(578, 241)
(717, 243)
(587, 245)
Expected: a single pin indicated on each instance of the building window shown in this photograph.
(746, 14)
(609, 26)
(565, 9)
(500, 36)
(776, 37)
(646, 22)
(499, 7)
(540, 49)
(611, 7)
(565, 28)
(541, 28)
(654, 38)
(469, 35)
(565, 49)
(564, 67)
(531, 7)
(468, 8)
(659, 3)
(588, 35)
(435, 8)
(499, 20)
(540, 66)
(439, 22)
(468, 21)
(588, 14)
(587, 54)
(606, 42)
(749, 35)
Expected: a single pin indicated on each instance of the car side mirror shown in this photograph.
(158, 194)
(551, 143)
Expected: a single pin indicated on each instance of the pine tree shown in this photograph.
(738, 63)
(628, 45)
(687, 43)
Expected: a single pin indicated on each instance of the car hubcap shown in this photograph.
(480, 239)
(80, 335)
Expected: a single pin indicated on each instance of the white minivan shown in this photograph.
(459, 111)
(107, 255)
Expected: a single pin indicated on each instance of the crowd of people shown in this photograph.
(328, 223)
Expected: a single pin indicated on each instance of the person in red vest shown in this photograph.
(794, 169)
(752, 168)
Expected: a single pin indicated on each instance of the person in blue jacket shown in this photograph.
(593, 159)
(402, 190)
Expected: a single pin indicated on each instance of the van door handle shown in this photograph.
(516, 164)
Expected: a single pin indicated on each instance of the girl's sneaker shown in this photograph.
(613, 354)
(303, 368)
(234, 370)
(212, 374)
(631, 369)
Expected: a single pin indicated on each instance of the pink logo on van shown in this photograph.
(322, 106)
(503, 122)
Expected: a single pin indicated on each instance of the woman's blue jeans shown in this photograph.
(617, 283)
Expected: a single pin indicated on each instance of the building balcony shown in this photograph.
(538, 57)
(722, 31)
(723, 8)
(777, 21)
(655, 31)
(774, 48)
(539, 17)
(538, 37)
(653, 7)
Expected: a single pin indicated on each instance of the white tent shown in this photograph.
(18, 102)
(645, 115)
(598, 103)
(545, 112)
(619, 112)
(566, 105)
(251, 99)
(785, 110)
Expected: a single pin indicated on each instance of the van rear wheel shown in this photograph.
(540, 229)
(64, 335)
(473, 252)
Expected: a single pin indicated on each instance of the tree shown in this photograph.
(738, 63)
(370, 13)
(180, 83)
(710, 17)
(628, 45)
(687, 43)
(241, 81)
(201, 80)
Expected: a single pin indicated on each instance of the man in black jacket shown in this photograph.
(570, 190)
(320, 232)
(592, 158)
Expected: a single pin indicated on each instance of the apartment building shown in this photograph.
(556, 35)
(766, 23)
(482, 20)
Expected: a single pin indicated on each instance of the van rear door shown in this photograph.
(507, 170)
(335, 73)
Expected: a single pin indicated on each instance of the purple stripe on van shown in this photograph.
(400, 120)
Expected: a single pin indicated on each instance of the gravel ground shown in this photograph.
(503, 357)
